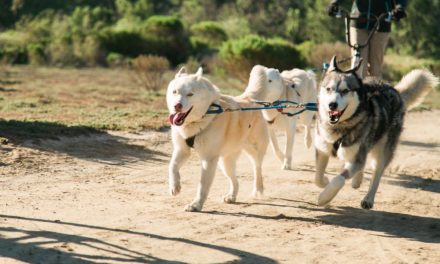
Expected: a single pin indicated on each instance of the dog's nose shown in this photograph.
(333, 106)
(178, 107)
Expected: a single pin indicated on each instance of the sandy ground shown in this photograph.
(104, 199)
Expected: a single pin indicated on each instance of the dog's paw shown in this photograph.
(323, 183)
(229, 199)
(175, 189)
(331, 190)
(287, 166)
(366, 204)
(356, 183)
(258, 194)
(193, 207)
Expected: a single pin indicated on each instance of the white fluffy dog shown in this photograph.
(215, 137)
(267, 84)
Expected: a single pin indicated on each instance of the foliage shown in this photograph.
(83, 33)
(149, 71)
(240, 55)
(209, 32)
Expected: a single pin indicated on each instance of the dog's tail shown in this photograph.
(415, 86)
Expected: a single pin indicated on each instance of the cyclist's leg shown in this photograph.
(377, 48)
(359, 36)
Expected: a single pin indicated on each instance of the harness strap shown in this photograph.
(190, 141)
(336, 146)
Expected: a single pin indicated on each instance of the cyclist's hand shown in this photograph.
(398, 13)
(333, 9)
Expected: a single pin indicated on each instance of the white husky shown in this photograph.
(213, 136)
(267, 84)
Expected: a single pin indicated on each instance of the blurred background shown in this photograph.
(106, 63)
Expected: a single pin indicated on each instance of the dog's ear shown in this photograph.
(199, 72)
(181, 72)
(333, 65)
(357, 66)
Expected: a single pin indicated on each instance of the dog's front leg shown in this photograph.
(208, 172)
(321, 160)
(274, 144)
(180, 155)
(351, 168)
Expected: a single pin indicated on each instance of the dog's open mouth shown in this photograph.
(334, 116)
(178, 118)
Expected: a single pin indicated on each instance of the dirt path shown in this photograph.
(103, 199)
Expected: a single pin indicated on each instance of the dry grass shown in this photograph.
(325, 51)
(51, 99)
(149, 71)
(95, 98)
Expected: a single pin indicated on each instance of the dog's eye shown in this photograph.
(293, 85)
(345, 91)
(190, 94)
(174, 91)
(270, 81)
(328, 89)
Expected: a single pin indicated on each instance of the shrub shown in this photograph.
(209, 32)
(13, 55)
(149, 71)
(167, 38)
(240, 55)
(35, 53)
(116, 60)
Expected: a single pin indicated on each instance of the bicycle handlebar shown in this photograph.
(344, 14)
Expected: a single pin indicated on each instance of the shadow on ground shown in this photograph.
(419, 144)
(415, 182)
(31, 246)
(78, 141)
(419, 228)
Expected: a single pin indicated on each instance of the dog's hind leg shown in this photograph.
(228, 164)
(180, 155)
(274, 144)
(357, 179)
(381, 155)
(307, 135)
(290, 139)
(256, 157)
(208, 172)
(321, 160)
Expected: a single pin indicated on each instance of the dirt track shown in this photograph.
(103, 199)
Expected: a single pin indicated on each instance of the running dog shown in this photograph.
(214, 137)
(356, 118)
(267, 84)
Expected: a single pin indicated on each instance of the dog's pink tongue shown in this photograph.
(171, 118)
(176, 119)
(334, 113)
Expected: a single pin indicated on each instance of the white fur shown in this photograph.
(218, 137)
(267, 84)
(415, 86)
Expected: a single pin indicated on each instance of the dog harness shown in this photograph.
(190, 141)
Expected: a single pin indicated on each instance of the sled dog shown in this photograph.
(214, 137)
(359, 117)
(267, 84)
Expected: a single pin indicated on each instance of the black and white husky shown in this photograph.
(357, 118)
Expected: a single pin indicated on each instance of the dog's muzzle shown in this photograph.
(178, 118)
(335, 115)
